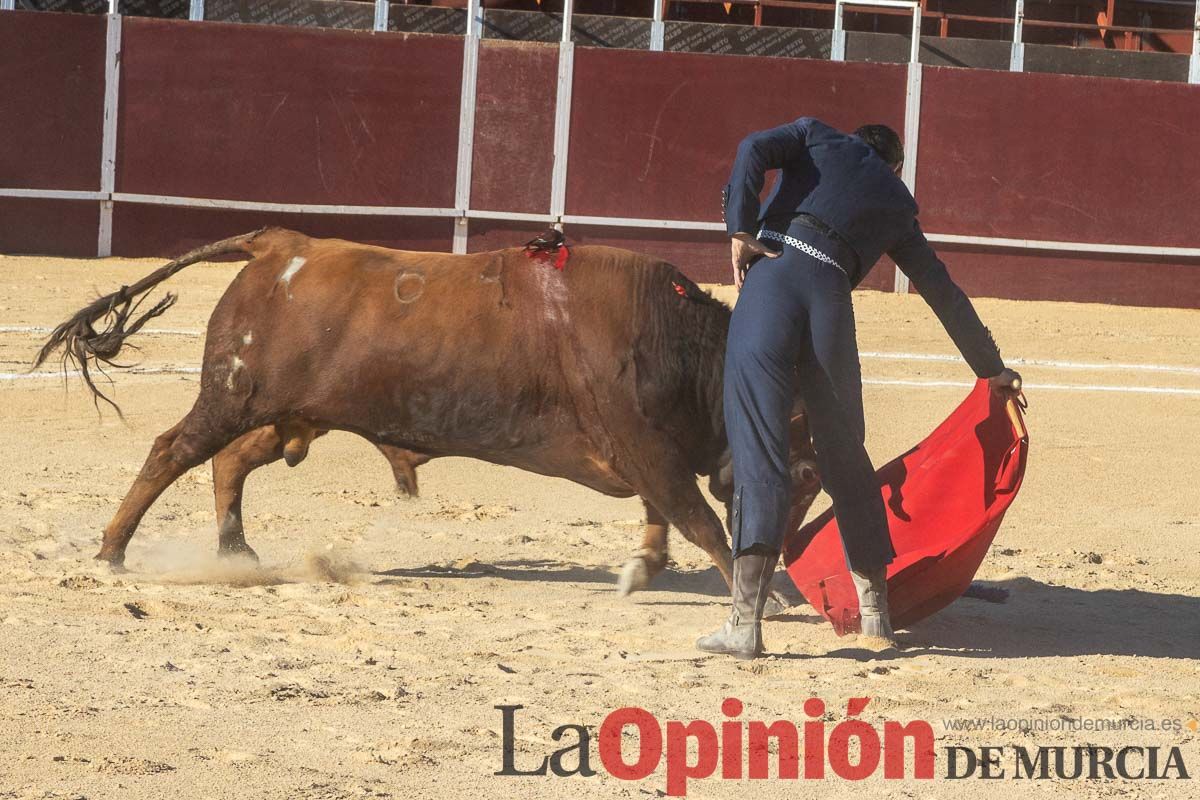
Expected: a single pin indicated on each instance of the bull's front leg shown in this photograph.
(651, 559)
(404, 465)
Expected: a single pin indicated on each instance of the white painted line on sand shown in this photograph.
(44, 329)
(1038, 362)
(940, 357)
(74, 373)
(923, 384)
(1038, 387)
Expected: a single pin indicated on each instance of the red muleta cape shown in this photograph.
(945, 500)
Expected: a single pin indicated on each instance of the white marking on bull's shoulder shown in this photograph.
(235, 364)
(248, 338)
(289, 272)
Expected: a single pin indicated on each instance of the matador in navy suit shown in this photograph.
(837, 207)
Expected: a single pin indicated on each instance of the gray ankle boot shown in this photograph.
(741, 635)
(873, 604)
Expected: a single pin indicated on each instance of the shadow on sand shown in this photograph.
(1039, 619)
(1042, 619)
(706, 583)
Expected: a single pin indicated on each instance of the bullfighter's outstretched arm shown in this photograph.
(757, 153)
(917, 259)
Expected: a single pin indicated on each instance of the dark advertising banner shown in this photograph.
(313, 13)
(587, 30)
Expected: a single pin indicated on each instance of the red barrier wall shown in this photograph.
(301, 115)
(51, 120)
(1082, 278)
(51, 100)
(297, 115)
(667, 153)
(151, 230)
(1056, 157)
(1059, 157)
(514, 127)
(57, 227)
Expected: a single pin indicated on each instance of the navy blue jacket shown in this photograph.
(842, 181)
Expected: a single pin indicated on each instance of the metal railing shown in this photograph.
(556, 213)
(944, 18)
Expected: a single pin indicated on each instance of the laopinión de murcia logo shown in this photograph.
(633, 744)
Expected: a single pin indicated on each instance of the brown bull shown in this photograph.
(607, 373)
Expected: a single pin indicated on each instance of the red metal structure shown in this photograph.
(1142, 25)
(360, 135)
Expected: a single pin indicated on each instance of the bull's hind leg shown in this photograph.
(267, 445)
(191, 442)
(651, 559)
(231, 466)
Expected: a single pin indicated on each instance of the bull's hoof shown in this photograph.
(777, 603)
(115, 562)
(237, 550)
(635, 575)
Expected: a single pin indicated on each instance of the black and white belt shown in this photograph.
(803, 247)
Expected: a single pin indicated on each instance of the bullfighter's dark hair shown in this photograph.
(884, 141)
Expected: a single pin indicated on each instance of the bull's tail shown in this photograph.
(84, 347)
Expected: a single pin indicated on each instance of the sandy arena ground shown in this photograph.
(365, 658)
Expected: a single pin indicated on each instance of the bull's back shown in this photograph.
(477, 354)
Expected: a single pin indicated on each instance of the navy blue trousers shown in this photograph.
(794, 323)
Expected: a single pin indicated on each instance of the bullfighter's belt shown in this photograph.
(804, 247)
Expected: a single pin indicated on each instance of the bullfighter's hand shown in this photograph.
(1006, 384)
(744, 248)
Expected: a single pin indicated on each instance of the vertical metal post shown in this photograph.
(837, 50)
(6, 5)
(912, 134)
(657, 28)
(568, 13)
(381, 15)
(562, 117)
(1016, 60)
(475, 12)
(108, 142)
(466, 127)
(196, 10)
(114, 7)
(912, 126)
(914, 53)
(1194, 69)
